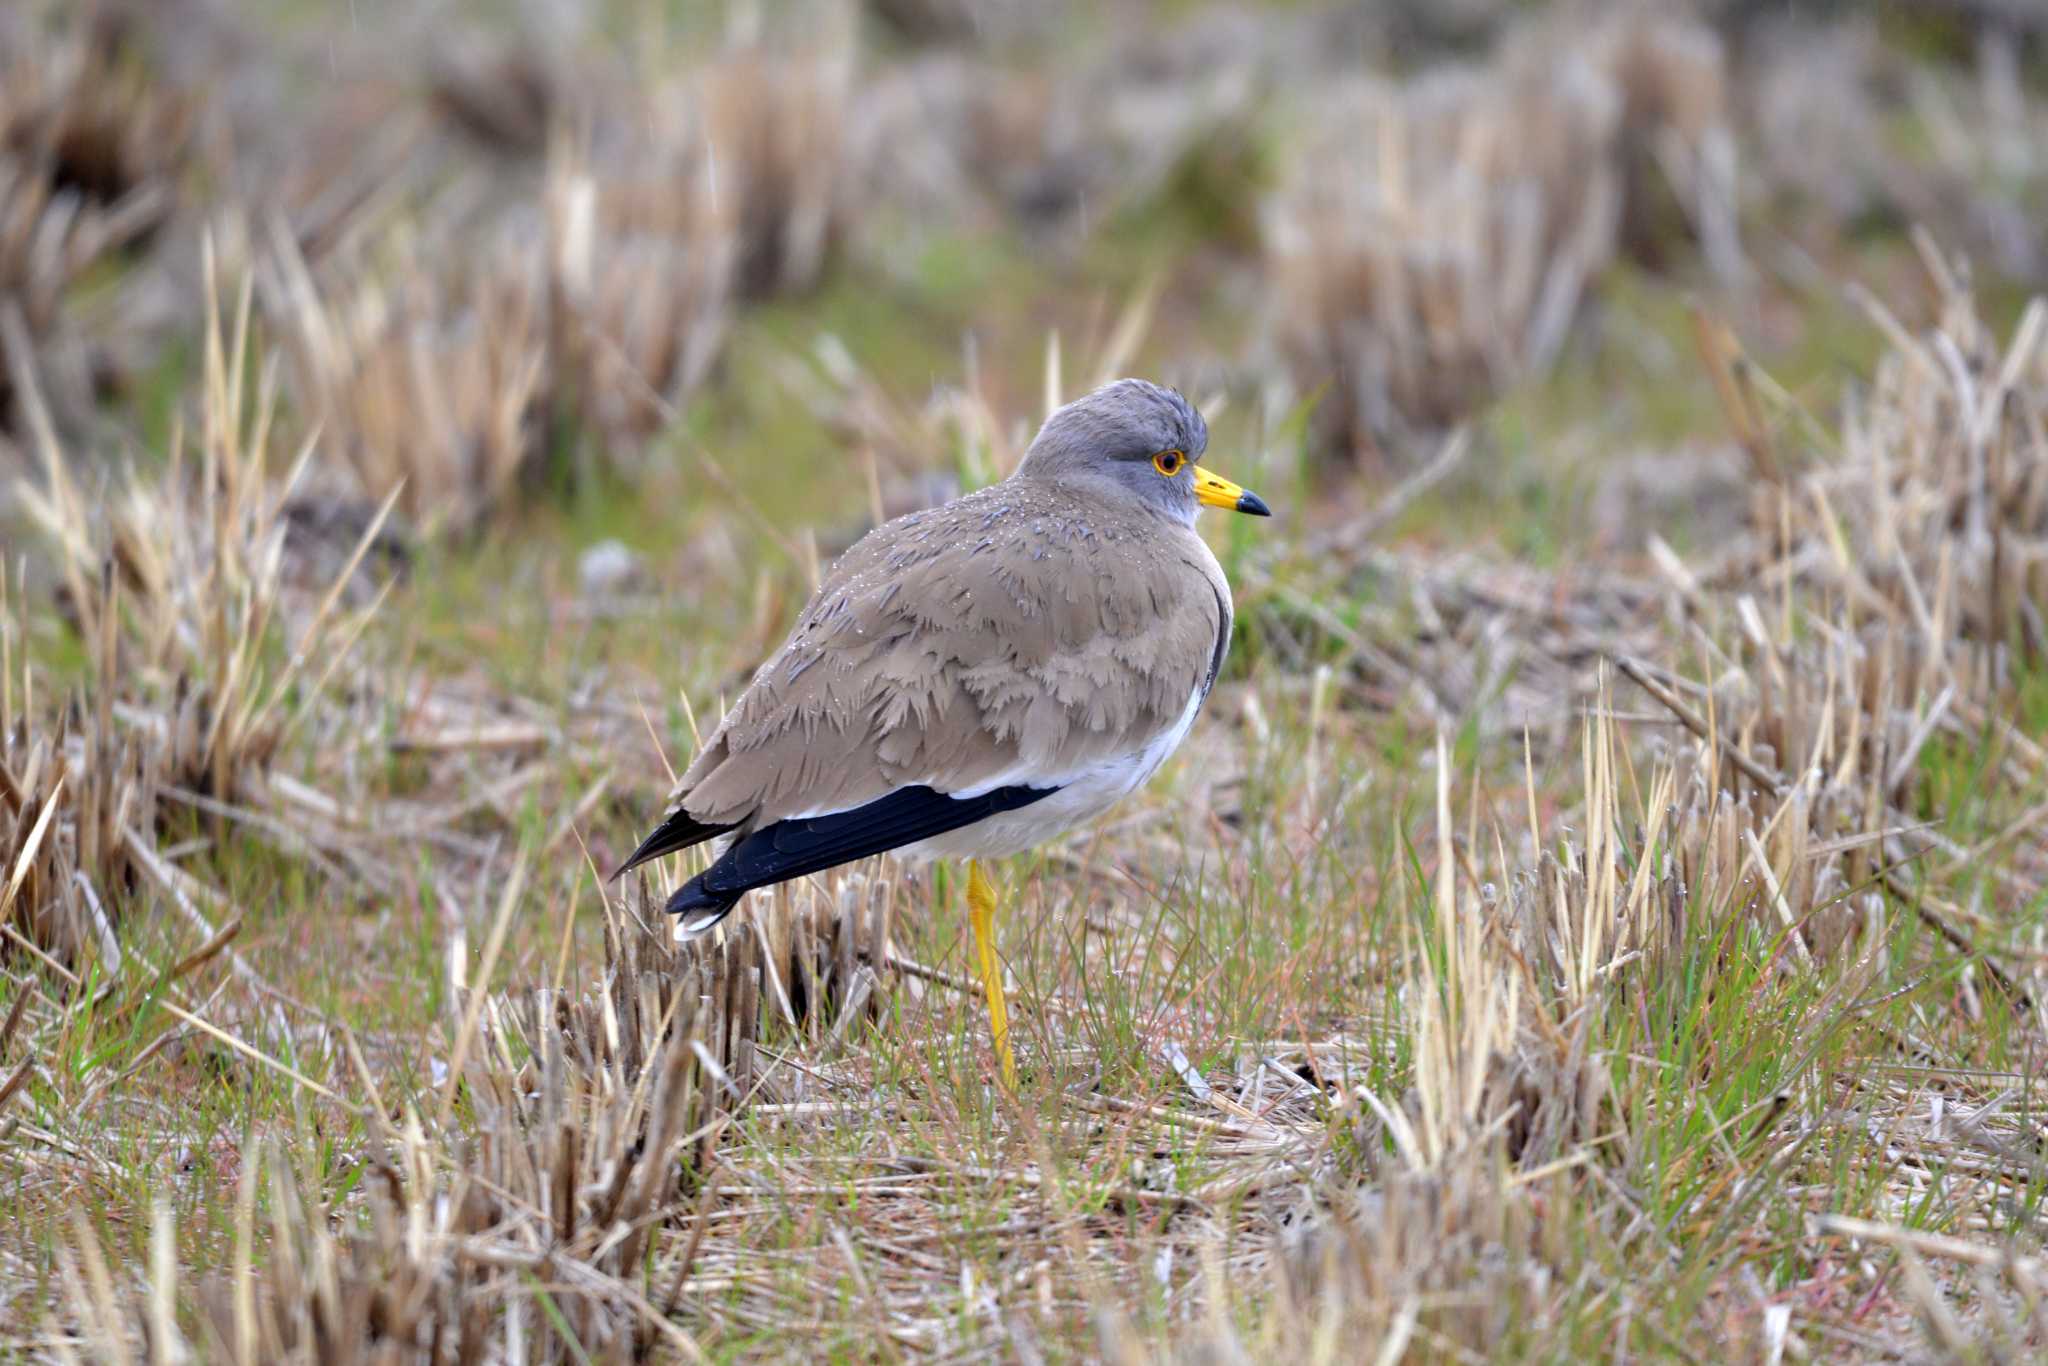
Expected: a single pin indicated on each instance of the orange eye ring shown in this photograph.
(1169, 463)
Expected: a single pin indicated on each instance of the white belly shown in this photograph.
(1079, 800)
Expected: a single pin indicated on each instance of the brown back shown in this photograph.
(1021, 631)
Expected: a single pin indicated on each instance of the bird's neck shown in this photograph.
(1098, 495)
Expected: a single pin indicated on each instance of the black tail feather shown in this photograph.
(698, 907)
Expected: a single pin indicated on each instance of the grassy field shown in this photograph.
(1601, 914)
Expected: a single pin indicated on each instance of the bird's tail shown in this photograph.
(699, 907)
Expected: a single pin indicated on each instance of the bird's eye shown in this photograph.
(1168, 463)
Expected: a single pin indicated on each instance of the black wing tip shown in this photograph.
(810, 844)
(678, 830)
(633, 860)
(802, 845)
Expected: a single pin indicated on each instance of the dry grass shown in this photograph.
(91, 151)
(1830, 104)
(70, 791)
(1763, 856)
(424, 388)
(642, 269)
(1615, 950)
(588, 1119)
(598, 304)
(776, 126)
(964, 133)
(1437, 237)
(180, 584)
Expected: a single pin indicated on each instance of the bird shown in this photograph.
(972, 680)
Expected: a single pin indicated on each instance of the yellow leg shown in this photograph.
(981, 910)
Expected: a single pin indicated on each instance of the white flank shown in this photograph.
(1082, 796)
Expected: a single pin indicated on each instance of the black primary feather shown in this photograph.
(678, 830)
(811, 844)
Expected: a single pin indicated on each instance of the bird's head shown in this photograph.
(1135, 439)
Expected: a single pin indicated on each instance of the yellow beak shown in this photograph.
(1214, 491)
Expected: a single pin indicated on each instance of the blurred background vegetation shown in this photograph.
(537, 260)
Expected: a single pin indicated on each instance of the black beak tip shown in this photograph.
(1253, 504)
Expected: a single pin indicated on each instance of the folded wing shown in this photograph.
(988, 649)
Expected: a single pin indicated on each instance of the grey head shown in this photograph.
(1121, 442)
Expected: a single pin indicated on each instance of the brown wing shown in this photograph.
(1007, 635)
